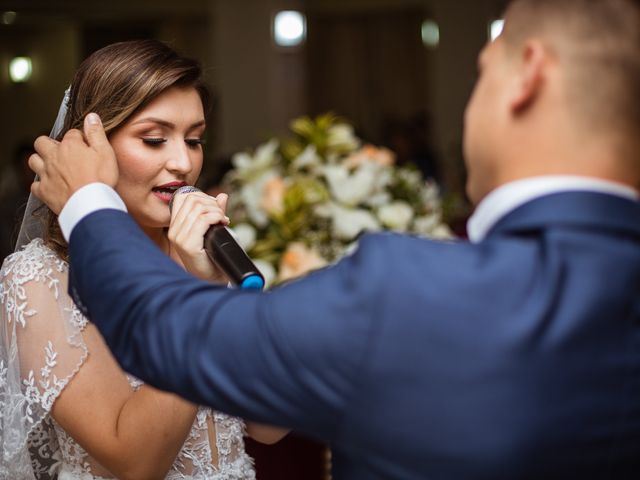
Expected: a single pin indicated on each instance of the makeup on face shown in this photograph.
(158, 151)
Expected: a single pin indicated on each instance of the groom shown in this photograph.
(516, 356)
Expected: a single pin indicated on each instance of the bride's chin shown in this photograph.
(153, 222)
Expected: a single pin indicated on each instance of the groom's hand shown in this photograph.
(65, 167)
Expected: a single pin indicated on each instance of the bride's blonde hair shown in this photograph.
(116, 82)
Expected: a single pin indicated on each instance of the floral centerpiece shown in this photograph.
(301, 203)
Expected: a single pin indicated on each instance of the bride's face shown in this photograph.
(159, 149)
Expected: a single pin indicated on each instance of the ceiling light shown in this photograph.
(20, 69)
(430, 34)
(289, 28)
(8, 18)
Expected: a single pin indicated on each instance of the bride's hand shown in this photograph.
(192, 215)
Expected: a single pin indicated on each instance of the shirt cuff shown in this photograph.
(89, 199)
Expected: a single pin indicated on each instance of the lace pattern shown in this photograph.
(40, 353)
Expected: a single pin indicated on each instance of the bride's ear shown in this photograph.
(531, 75)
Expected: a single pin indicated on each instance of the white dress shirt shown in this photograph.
(510, 196)
(89, 199)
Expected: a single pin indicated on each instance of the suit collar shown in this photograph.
(510, 196)
(573, 209)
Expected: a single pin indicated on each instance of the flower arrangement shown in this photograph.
(301, 203)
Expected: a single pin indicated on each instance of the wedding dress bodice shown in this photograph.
(44, 337)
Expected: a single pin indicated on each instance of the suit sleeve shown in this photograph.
(291, 357)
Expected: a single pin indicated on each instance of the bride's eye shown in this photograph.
(194, 142)
(154, 141)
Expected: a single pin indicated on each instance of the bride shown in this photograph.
(66, 408)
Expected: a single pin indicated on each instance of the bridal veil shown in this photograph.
(41, 347)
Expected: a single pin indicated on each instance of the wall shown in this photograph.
(29, 109)
(259, 88)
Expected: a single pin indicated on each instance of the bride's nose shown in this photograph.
(179, 160)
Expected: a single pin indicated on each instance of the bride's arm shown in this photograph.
(66, 370)
(265, 433)
(134, 435)
(192, 215)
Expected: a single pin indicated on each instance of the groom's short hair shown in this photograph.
(599, 42)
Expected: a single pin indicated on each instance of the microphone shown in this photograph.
(224, 251)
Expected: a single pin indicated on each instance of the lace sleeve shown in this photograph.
(41, 348)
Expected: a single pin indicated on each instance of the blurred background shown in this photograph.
(400, 71)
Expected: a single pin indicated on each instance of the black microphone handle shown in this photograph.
(225, 252)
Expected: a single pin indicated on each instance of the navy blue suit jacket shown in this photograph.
(518, 357)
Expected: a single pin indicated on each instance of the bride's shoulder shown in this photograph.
(35, 262)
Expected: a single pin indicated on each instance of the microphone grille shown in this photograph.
(185, 189)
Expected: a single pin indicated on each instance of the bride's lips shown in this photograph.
(165, 192)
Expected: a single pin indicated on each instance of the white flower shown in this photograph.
(431, 195)
(245, 234)
(380, 196)
(442, 231)
(348, 222)
(336, 188)
(432, 226)
(351, 189)
(412, 177)
(426, 224)
(251, 195)
(264, 157)
(378, 199)
(396, 215)
(307, 159)
(341, 137)
(267, 270)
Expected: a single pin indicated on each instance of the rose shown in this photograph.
(380, 156)
(273, 196)
(298, 260)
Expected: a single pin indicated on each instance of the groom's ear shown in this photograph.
(530, 76)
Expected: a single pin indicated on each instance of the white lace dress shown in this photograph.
(41, 349)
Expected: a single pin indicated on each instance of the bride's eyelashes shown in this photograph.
(192, 142)
(154, 141)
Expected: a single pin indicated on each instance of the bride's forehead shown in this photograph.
(174, 105)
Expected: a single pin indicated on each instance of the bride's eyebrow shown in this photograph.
(159, 121)
(201, 123)
(166, 123)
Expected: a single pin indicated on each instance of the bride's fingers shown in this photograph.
(190, 237)
(183, 207)
(201, 222)
(222, 200)
(189, 207)
(194, 204)
(189, 227)
(181, 233)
